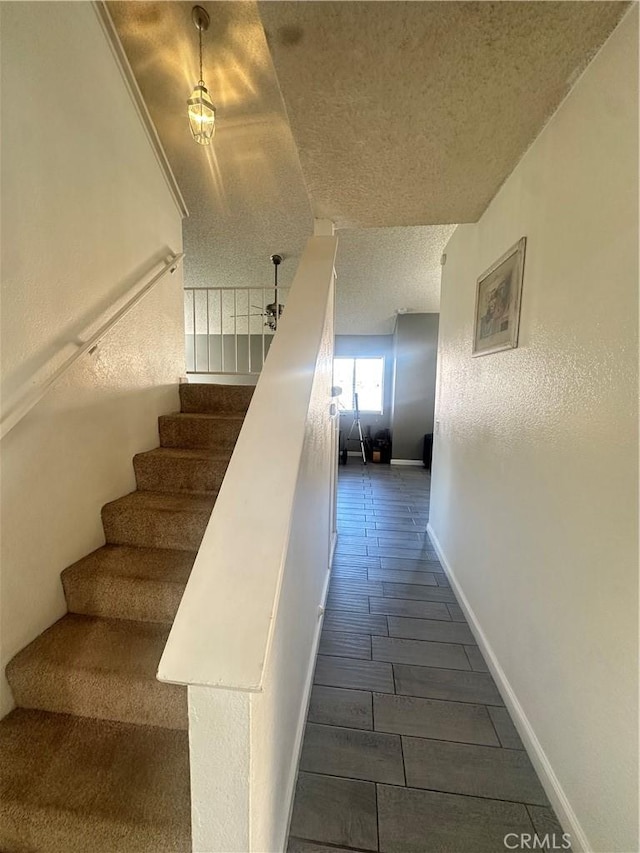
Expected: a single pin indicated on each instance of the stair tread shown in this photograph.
(209, 397)
(94, 644)
(168, 501)
(202, 453)
(71, 784)
(206, 416)
(124, 561)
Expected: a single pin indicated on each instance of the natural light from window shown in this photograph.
(361, 376)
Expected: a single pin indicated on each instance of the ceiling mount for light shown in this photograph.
(201, 111)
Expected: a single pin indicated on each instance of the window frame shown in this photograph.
(356, 359)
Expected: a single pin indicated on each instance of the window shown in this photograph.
(361, 376)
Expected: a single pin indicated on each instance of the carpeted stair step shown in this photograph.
(120, 582)
(215, 399)
(169, 469)
(104, 668)
(200, 431)
(73, 785)
(157, 520)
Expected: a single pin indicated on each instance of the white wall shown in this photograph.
(534, 500)
(86, 209)
(279, 712)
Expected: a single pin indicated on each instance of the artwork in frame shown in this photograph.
(498, 295)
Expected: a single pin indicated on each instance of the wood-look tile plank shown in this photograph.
(430, 629)
(433, 718)
(420, 653)
(399, 552)
(477, 771)
(453, 685)
(352, 754)
(346, 645)
(506, 731)
(456, 613)
(547, 825)
(410, 564)
(336, 811)
(347, 601)
(418, 592)
(339, 706)
(358, 623)
(403, 607)
(450, 822)
(358, 586)
(355, 674)
(394, 576)
(475, 659)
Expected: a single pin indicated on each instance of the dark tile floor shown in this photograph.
(408, 746)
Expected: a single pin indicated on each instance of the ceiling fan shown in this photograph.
(273, 311)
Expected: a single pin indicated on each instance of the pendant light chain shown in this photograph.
(200, 35)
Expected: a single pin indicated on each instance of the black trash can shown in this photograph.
(427, 450)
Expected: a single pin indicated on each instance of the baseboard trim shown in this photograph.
(302, 719)
(549, 780)
(417, 462)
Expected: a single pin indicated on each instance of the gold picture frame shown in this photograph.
(498, 301)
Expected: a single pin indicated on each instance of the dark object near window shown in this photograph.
(427, 450)
(382, 445)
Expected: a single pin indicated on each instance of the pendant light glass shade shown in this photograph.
(202, 115)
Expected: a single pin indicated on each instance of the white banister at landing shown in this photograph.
(246, 632)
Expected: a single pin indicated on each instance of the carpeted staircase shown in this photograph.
(95, 757)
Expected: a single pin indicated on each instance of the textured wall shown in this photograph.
(414, 386)
(85, 211)
(535, 497)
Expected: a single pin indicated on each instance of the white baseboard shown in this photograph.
(549, 780)
(417, 462)
(304, 710)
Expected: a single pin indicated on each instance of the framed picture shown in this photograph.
(498, 297)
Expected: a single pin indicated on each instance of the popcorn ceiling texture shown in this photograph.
(403, 114)
(245, 193)
(415, 113)
(383, 269)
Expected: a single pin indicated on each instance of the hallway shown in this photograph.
(408, 746)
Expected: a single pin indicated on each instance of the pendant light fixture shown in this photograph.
(202, 113)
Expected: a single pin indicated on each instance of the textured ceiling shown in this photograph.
(381, 270)
(414, 113)
(245, 193)
(402, 113)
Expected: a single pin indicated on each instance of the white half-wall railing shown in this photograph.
(33, 390)
(230, 329)
(245, 635)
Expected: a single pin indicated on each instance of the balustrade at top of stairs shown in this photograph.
(96, 756)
